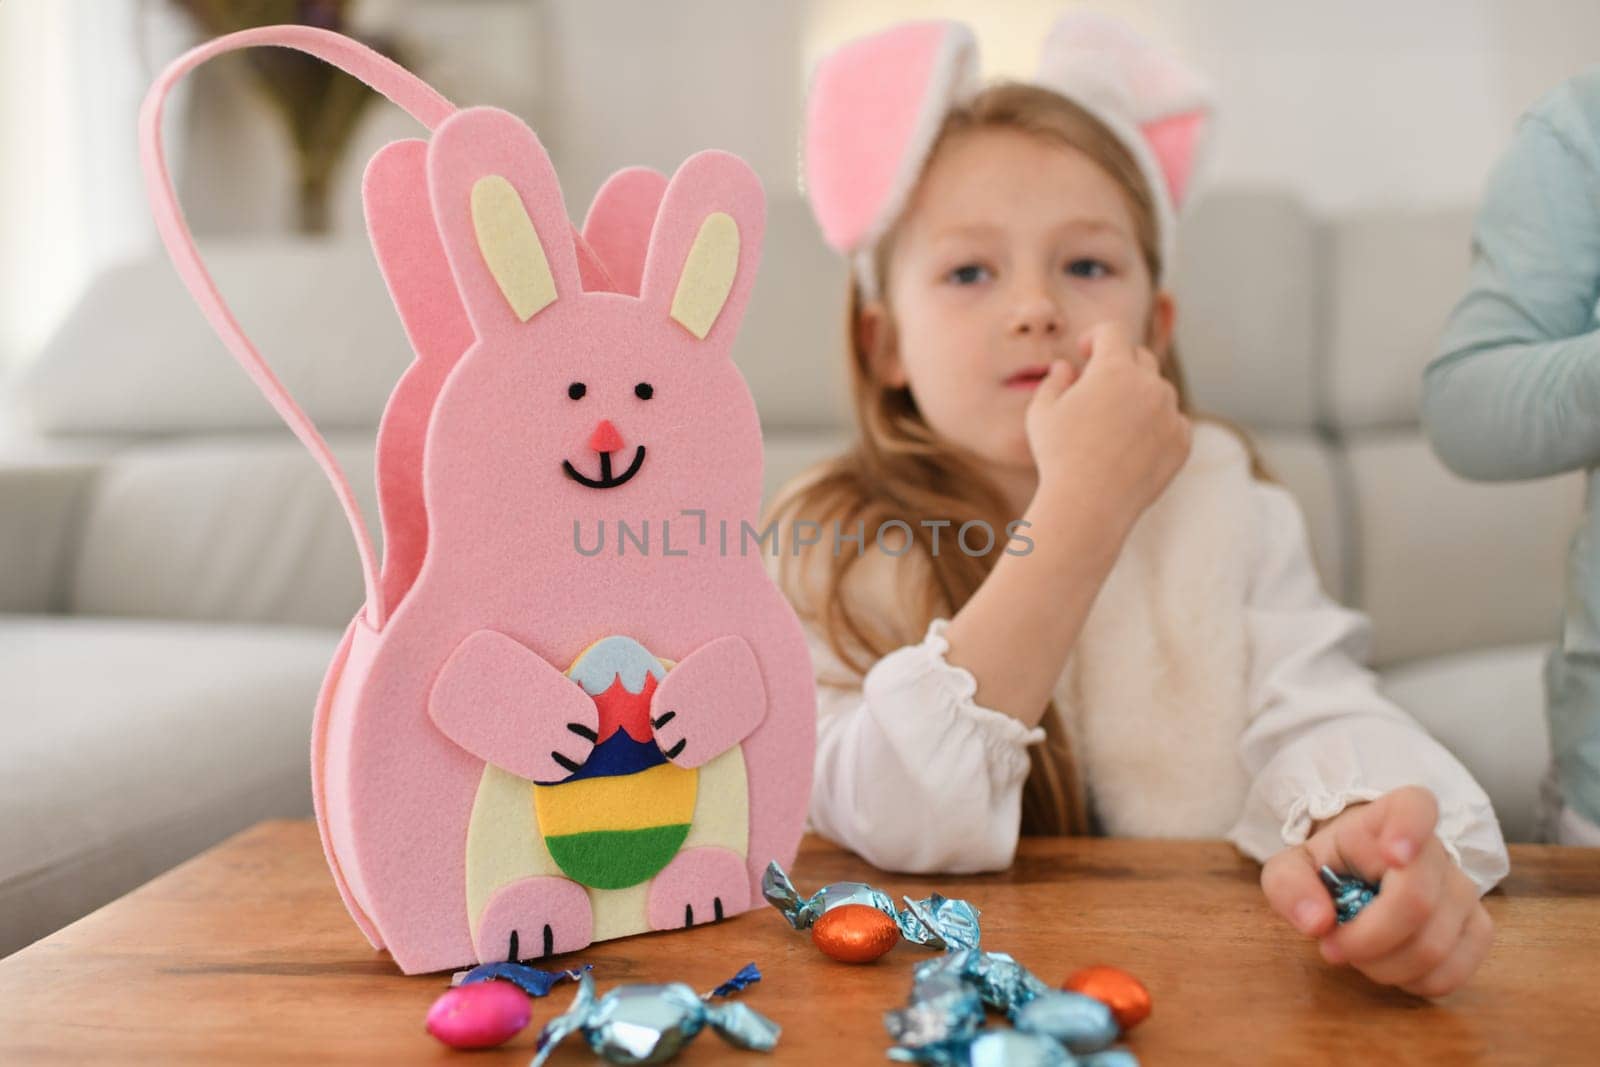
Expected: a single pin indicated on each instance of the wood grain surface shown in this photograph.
(245, 955)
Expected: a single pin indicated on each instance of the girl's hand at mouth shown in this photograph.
(1109, 437)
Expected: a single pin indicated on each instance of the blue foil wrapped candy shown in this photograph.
(935, 922)
(944, 1026)
(644, 1024)
(944, 1012)
(1110, 1057)
(748, 976)
(1350, 895)
(999, 980)
(1013, 1048)
(1082, 1024)
(940, 922)
(489, 1004)
(992, 1048)
(530, 980)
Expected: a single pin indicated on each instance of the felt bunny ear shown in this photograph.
(700, 264)
(874, 109)
(619, 222)
(498, 205)
(1162, 108)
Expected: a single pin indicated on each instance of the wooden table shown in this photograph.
(246, 955)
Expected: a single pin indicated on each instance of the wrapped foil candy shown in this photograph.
(639, 1024)
(854, 933)
(944, 1012)
(992, 1048)
(481, 1015)
(1014, 1048)
(940, 922)
(1120, 991)
(1082, 1024)
(855, 923)
(748, 976)
(530, 980)
(944, 1022)
(944, 1025)
(489, 1005)
(999, 980)
(1350, 895)
(1111, 1057)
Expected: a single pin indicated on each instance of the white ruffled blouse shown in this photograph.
(1215, 691)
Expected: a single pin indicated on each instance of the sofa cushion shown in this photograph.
(135, 355)
(245, 528)
(1394, 276)
(1447, 565)
(1487, 707)
(240, 528)
(128, 746)
(40, 502)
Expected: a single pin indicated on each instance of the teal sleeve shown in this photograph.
(1515, 389)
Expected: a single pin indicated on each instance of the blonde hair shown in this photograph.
(899, 468)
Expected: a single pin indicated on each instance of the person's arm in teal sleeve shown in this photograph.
(1515, 390)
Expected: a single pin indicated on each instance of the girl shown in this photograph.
(1147, 650)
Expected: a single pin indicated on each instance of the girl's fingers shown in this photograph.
(1406, 901)
(1376, 836)
(1427, 951)
(1056, 381)
(1103, 343)
(1294, 890)
(1408, 818)
(1086, 341)
(1476, 940)
(1147, 359)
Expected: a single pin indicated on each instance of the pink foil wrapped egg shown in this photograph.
(480, 1015)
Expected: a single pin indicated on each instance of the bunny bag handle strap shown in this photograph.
(382, 74)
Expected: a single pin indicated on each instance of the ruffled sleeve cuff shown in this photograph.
(914, 775)
(949, 693)
(1467, 827)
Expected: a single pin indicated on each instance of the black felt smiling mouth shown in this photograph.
(606, 441)
(606, 480)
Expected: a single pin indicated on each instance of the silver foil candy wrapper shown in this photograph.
(643, 1024)
(944, 1023)
(1350, 895)
(935, 921)
(1000, 981)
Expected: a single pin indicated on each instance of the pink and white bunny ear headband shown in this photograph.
(877, 103)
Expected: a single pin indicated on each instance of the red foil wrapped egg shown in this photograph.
(854, 933)
(1118, 990)
(480, 1015)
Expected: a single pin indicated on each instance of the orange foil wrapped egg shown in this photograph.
(854, 933)
(1118, 990)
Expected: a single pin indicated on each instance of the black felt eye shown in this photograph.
(576, 390)
(644, 391)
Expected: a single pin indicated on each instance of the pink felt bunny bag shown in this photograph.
(525, 742)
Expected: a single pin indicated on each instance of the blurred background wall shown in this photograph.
(1330, 101)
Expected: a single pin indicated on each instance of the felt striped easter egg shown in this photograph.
(618, 819)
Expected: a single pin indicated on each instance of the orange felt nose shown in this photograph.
(605, 437)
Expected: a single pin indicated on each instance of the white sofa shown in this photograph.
(174, 573)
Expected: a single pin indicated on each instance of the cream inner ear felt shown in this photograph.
(708, 273)
(511, 247)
